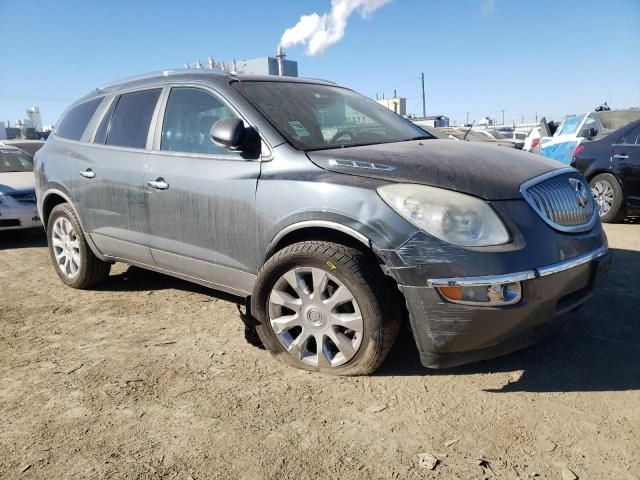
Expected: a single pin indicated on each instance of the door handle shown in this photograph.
(158, 184)
(621, 156)
(88, 173)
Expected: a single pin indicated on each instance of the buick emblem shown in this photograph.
(582, 195)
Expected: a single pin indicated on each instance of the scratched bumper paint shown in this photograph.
(450, 334)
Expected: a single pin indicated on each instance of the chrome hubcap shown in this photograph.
(603, 196)
(315, 317)
(66, 247)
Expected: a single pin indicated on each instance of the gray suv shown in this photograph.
(329, 216)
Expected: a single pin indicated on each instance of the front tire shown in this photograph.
(73, 260)
(327, 308)
(608, 197)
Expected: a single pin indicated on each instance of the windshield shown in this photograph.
(570, 125)
(317, 117)
(14, 161)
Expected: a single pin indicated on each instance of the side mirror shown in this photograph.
(228, 133)
(589, 132)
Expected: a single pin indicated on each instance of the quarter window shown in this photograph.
(131, 119)
(75, 121)
(103, 129)
(188, 118)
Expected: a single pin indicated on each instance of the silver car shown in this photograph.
(17, 190)
(330, 217)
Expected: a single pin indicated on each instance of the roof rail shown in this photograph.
(162, 73)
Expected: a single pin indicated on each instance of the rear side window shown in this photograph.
(75, 121)
(188, 118)
(131, 119)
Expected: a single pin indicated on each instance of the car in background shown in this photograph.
(612, 166)
(472, 135)
(571, 132)
(516, 138)
(433, 131)
(18, 209)
(532, 140)
(29, 146)
(587, 126)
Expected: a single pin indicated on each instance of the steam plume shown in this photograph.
(319, 32)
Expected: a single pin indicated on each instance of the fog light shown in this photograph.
(496, 294)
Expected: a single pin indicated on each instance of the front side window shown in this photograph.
(632, 137)
(14, 161)
(589, 123)
(75, 121)
(188, 119)
(131, 119)
(316, 117)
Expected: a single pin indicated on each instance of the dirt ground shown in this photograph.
(150, 377)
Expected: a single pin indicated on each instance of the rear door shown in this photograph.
(626, 164)
(112, 196)
(201, 197)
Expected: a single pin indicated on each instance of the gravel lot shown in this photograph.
(150, 377)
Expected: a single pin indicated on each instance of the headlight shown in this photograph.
(453, 217)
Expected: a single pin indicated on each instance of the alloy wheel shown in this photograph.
(315, 317)
(603, 196)
(66, 247)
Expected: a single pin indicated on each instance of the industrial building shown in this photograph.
(396, 104)
(276, 65)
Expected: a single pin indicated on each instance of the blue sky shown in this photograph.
(547, 57)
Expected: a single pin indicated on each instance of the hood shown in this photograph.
(17, 181)
(486, 171)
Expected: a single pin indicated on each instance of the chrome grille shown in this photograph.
(563, 199)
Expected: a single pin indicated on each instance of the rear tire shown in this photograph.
(609, 198)
(73, 260)
(343, 319)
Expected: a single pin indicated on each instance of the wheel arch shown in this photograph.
(53, 198)
(317, 230)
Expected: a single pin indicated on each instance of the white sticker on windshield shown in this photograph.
(299, 128)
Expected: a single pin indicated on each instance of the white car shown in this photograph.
(17, 190)
(573, 130)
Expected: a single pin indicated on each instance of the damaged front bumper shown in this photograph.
(450, 334)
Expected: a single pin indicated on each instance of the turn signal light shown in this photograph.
(497, 294)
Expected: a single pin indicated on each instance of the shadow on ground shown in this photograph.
(135, 279)
(22, 239)
(597, 349)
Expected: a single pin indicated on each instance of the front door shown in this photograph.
(112, 195)
(201, 197)
(626, 163)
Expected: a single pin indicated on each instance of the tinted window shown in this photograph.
(75, 121)
(188, 118)
(631, 137)
(14, 161)
(103, 129)
(131, 118)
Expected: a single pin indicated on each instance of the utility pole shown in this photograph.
(467, 119)
(424, 105)
(503, 110)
